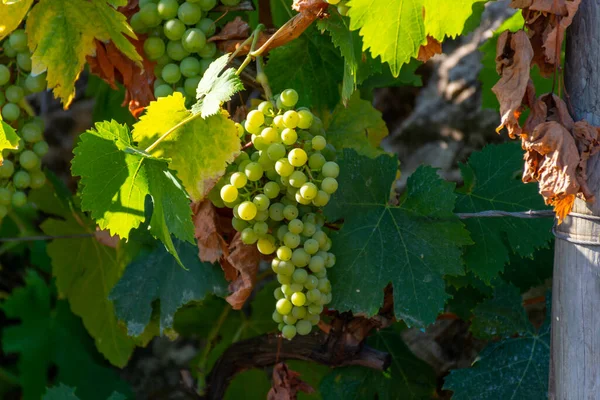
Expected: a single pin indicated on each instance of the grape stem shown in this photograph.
(255, 35)
(261, 78)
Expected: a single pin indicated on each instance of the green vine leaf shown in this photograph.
(116, 178)
(492, 183)
(61, 35)
(9, 140)
(63, 392)
(412, 245)
(11, 15)
(85, 272)
(46, 337)
(215, 87)
(157, 276)
(513, 368)
(447, 18)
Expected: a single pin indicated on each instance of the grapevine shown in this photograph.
(276, 188)
(21, 168)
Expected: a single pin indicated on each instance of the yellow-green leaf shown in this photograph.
(8, 138)
(11, 15)
(62, 33)
(199, 150)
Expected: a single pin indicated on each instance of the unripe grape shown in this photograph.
(319, 142)
(208, 51)
(193, 40)
(176, 51)
(4, 75)
(149, 15)
(266, 245)
(207, 26)
(300, 275)
(167, 9)
(315, 309)
(329, 185)
(298, 299)
(190, 67)
(174, 29)
(7, 169)
(311, 281)
(290, 119)
(11, 112)
(154, 48)
(305, 119)
(248, 236)
(298, 157)
(278, 318)
(29, 160)
(229, 193)
(19, 199)
(316, 264)
(271, 190)
(296, 226)
(14, 93)
(283, 306)
(24, 61)
(289, 98)
(36, 84)
(284, 253)
(309, 190)
(291, 240)
(238, 180)
(163, 91)
(18, 40)
(247, 210)
(254, 171)
(297, 179)
(171, 73)
(299, 312)
(5, 196)
(21, 179)
(206, 5)
(283, 167)
(189, 13)
(330, 169)
(288, 332)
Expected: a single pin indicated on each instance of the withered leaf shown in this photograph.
(233, 30)
(211, 244)
(244, 259)
(513, 60)
(552, 48)
(287, 384)
(430, 49)
(114, 67)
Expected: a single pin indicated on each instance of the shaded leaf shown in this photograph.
(287, 384)
(412, 246)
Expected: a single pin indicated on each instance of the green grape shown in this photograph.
(299, 312)
(206, 5)
(286, 268)
(284, 279)
(205, 63)
(276, 212)
(271, 190)
(163, 91)
(284, 253)
(289, 98)
(7, 169)
(31, 133)
(330, 260)
(288, 332)
(241, 131)
(320, 237)
(343, 9)
(278, 294)
(322, 199)
(254, 171)
(229, 193)
(207, 26)
(11, 112)
(329, 185)
(299, 299)
(330, 169)
(297, 179)
(329, 152)
(159, 81)
(296, 227)
(305, 119)
(29, 160)
(171, 73)
(291, 240)
(278, 122)
(309, 191)
(255, 118)
(261, 229)
(261, 202)
(189, 13)
(174, 29)
(254, 129)
(18, 40)
(300, 257)
(290, 212)
(5, 196)
(298, 157)
(281, 231)
(249, 236)
(290, 319)
(266, 107)
(303, 327)
(193, 40)
(14, 94)
(315, 309)
(209, 50)
(247, 210)
(309, 229)
(316, 161)
(239, 224)
(21, 179)
(137, 24)
(278, 318)
(270, 135)
(38, 179)
(289, 136)
(283, 306)
(36, 83)
(176, 51)
(266, 245)
(191, 85)
(276, 151)
(24, 61)
(290, 119)
(311, 246)
(4, 75)
(319, 142)
(238, 180)
(154, 48)
(299, 276)
(316, 264)
(311, 281)
(149, 15)
(189, 66)
(313, 295)
(167, 9)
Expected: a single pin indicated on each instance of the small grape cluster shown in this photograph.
(21, 168)
(342, 6)
(177, 41)
(276, 187)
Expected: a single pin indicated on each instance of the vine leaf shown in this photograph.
(9, 140)
(408, 376)
(63, 392)
(61, 35)
(11, 15)
(287, 383)
(156, 276)
(199, 151)
(513, 368)
(395, 30)
(311, 63)
(215, 87)
(358, 125)
(85, 272)
(116, 178)
(47, 337)
(491, 183)
(412, 246)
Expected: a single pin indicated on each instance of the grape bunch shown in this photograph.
(21, 168)
(276, 188)
(177, 41)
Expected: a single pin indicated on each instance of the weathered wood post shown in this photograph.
(575, 352)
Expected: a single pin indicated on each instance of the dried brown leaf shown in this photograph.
(114, 67)
(104, 237)
(233, 30)
(430, 49)
(287, 384)
(551, 47)
(513, 60)
(211, 244)
(244, 259)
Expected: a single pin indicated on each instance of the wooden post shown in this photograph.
(575, 350)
